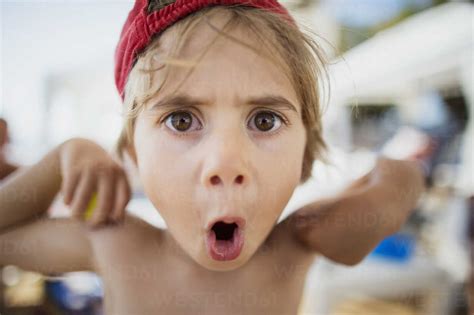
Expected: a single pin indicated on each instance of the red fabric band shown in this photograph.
(140, 27)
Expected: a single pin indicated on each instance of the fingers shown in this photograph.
(106, 190)
(89, 171)
(122, 197)
(113, 194)
(83, 194)
(69, 185)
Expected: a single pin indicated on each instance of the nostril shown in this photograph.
(215, 180)
(239, 179)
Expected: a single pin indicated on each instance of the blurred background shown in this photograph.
(401, 85)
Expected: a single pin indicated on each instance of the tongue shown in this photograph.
(223, 246)
(224, 249)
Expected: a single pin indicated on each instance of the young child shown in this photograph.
(223, 124)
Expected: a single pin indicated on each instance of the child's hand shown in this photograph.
(91, 177)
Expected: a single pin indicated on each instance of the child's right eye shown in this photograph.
(182, 121)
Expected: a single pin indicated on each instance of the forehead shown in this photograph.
(211, 63)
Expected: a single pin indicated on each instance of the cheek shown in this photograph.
(162, 167)
(281, 161)
(165, 176)
(169, 189)
(279, 174)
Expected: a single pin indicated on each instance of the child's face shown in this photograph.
(219, 155)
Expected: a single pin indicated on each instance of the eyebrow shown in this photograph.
(184, 100)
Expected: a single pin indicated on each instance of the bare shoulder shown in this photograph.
(119, 241)
(131, 229)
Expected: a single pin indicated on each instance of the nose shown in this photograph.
(225, 164)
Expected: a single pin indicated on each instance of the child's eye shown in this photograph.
(182, 121)
(266, 121)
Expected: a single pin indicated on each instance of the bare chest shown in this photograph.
(269, 283)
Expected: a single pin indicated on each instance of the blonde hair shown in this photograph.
(300, 56)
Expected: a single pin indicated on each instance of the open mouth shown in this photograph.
(225, 240)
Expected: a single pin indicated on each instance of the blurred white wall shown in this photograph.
(43, 41)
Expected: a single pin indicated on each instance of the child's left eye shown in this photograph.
(266, 121)
(182, 122)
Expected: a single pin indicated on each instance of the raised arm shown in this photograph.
(31, 240)
(346, 227)
(29, 193)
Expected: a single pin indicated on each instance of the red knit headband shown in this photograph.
(141, 26)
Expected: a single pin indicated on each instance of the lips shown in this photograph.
(225, 238)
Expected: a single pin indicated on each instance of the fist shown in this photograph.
(91, 178)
